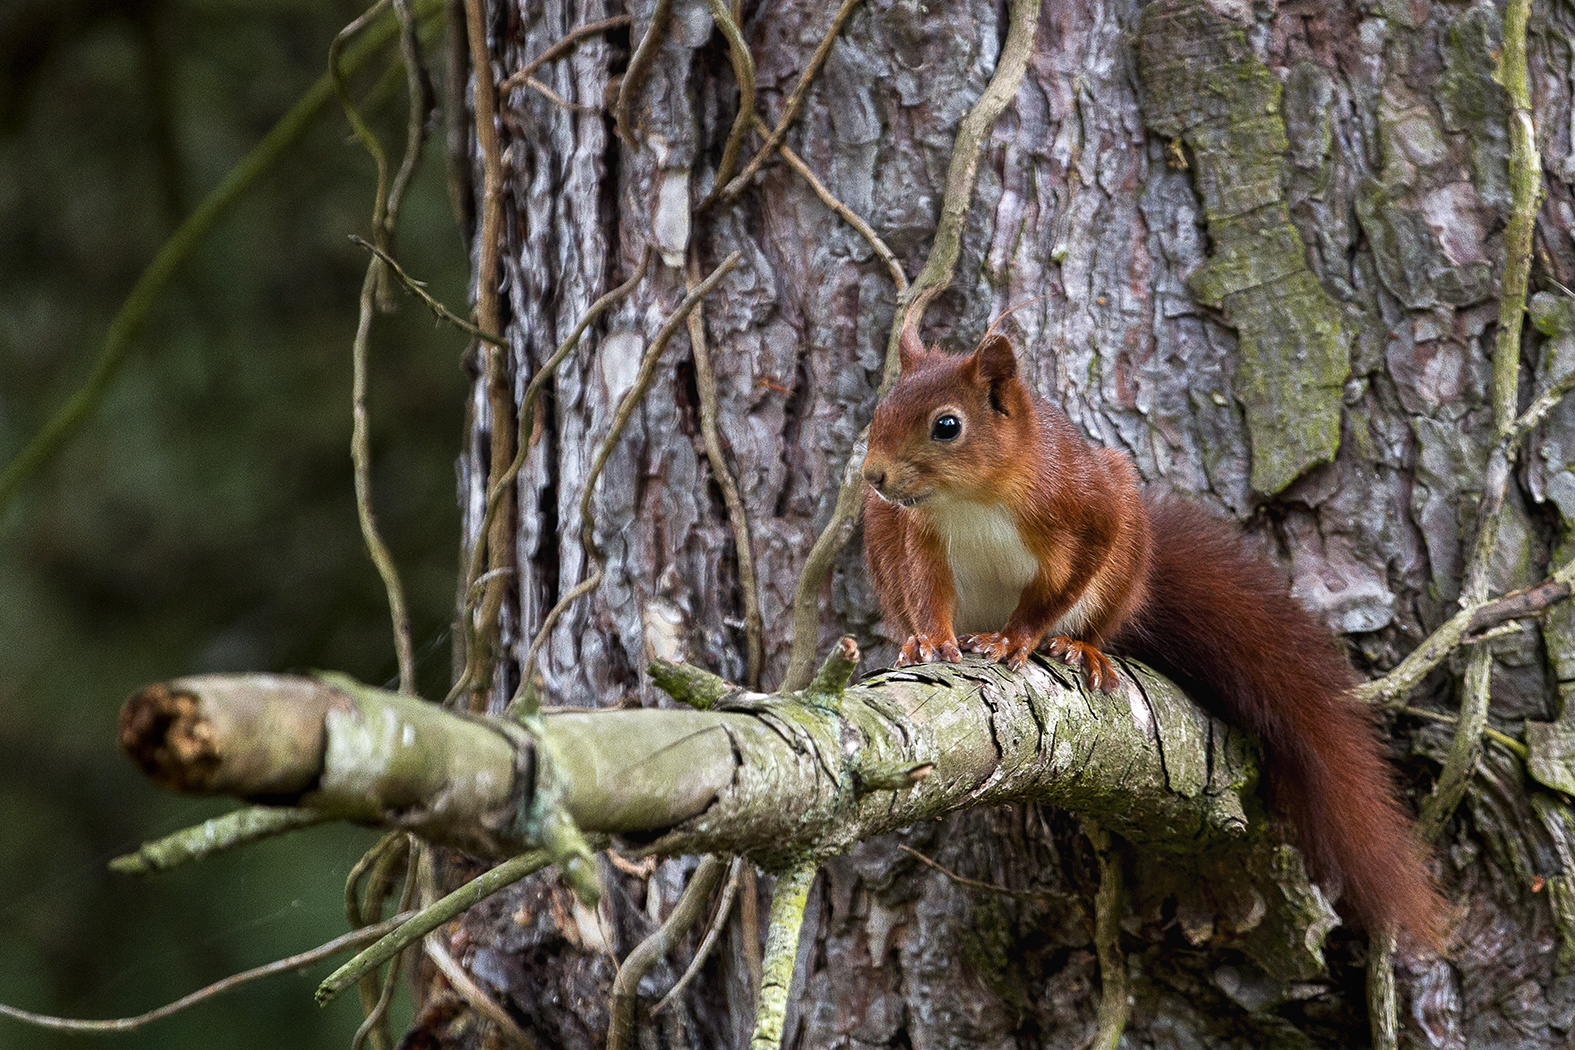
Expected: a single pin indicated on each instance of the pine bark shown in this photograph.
(1260, 247)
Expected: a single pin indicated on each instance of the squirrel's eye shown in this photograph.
(946, 428)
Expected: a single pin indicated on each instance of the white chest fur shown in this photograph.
(989, 562)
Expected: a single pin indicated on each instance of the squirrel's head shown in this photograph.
(953, 427)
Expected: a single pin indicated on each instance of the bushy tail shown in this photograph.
(1220, 623)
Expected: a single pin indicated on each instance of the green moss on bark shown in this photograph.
(1202, 84)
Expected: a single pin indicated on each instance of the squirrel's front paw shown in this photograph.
(1097, 669)
(929, 649)
(1001, 648)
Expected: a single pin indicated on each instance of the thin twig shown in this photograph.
(419, 290)
(1460, 629)
(128, 320)
(737, 516)
(375, 1024)
(851, 217)
(376, 870)
(564, 45)
(418, 89)
(498, 539)
(790, 111)
(744, 73)
(724, 908)
(942, 263)
(241, 827)
(361, 457)
(367, 137)
(639, 68)
(557, 99)
(1538, 410)
(620, 420)
(344, 942)
(937, 273)
(687, 912)
(963, 880)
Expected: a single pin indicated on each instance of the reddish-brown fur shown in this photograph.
(1160, 581)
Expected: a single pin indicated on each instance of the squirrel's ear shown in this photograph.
(910, 349)
(994, 358)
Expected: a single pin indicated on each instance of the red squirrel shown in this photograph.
(987, 513)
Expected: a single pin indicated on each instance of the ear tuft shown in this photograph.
(995, 359)
(910, 349)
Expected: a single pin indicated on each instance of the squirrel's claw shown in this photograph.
(928, 649)
(1097, 669)
(1001, 648)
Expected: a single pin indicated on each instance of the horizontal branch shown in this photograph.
(778, 778)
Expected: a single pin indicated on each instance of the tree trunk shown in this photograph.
(1256, 246)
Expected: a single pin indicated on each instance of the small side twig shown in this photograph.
(416, 926)
(232, 830)
(374, 1025)
(687, 912)
(1504, 740)
(361, 457)
(942, 263)
(419, 290)
(562, 47)
(418, 90)
(836, 671)
(1462, 628)
(375, 871)
(963, 880)
(467, 989)
(852, 218)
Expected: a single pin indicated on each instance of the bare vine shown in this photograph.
(1466, 747)
(737, 516)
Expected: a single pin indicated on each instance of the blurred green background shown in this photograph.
(204, 519)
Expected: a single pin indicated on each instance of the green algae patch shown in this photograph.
(1202, 84)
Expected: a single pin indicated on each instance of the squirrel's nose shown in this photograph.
(876, 476)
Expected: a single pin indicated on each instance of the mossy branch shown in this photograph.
(775, 778)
